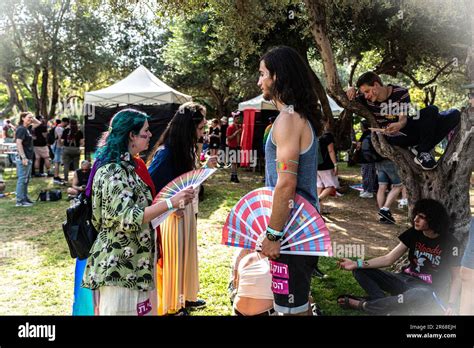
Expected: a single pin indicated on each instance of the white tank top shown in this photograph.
(255, 280)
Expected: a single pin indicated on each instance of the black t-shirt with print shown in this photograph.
(431, 259)
(324, 141)
(26, 138)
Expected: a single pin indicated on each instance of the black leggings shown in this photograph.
(428, 130)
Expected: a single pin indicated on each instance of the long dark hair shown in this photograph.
(294, 83)
(180, 137)
(436, 215)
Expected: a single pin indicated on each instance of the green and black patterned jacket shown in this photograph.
(124, 250)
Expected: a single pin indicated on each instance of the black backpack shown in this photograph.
(78, 230)
(50, 195)
(51, 137)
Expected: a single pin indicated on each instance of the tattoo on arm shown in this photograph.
(290, 167)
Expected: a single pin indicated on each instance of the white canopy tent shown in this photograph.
(259, 103)
(140, 87)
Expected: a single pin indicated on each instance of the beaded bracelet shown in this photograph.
(360, 263)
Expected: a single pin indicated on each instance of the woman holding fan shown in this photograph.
(120, 265)
(175, 154)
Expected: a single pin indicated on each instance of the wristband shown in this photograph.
(169, 204)
(360, 263)
(275, 232)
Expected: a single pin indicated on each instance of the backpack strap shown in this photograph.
(96, 166)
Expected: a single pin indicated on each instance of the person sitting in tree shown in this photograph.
(391, 107)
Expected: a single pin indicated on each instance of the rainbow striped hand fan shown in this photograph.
(305, 232)
(193, 179)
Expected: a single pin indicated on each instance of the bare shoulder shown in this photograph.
(289, 123)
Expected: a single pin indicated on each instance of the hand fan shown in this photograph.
(305, 231)
(193, 178)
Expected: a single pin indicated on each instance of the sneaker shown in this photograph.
(195, 304)
(316, 310)
(318, 273)
(28, 200)
(366, 195)
(23, 204)
(386, 216)
(57, 180)
(44, 175)
(426, 161)
(402, 203)
(37, 175)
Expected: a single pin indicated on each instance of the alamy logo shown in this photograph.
(37, 331)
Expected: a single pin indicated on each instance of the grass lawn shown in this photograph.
(37, 271)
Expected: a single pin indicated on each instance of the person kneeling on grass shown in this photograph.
(80, 179)
(423, 285)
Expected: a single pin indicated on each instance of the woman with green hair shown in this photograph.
(121, 263)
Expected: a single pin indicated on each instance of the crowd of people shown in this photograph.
(135, 269)
(39, 146)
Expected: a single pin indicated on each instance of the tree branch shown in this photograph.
(353, 69)
(422, 85)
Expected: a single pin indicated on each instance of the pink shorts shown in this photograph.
(41, 152)
(326, 178)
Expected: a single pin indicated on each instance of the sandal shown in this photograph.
(347, 297)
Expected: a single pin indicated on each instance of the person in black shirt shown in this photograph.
(41, 147)
(429, 283)
(24, 161)
(214, 137)
(72, 138)
(368, 157)
(327, 170)
(80, 179)
(224, 125)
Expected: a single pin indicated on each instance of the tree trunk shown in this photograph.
(342, 130)
(34, 89)
(12, 94)
(220, 103)
(449, 182)
(55, 93)
(44, 91)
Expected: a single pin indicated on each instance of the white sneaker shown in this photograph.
(402, 203)
(366, 195)
(23, 204)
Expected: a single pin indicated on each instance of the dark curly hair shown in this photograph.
(436, 215)
(294, 83)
